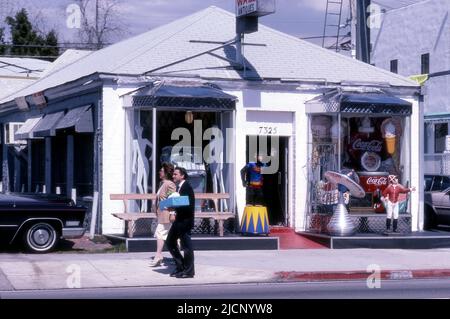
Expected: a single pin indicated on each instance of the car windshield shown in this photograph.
(445, 183)
(437, 182)
(428, 182)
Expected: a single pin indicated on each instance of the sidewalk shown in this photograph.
(54, 271)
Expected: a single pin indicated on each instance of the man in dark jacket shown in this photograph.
(181, 228)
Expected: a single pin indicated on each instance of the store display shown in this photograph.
(370, 161)
(369, 146)
(348, 181)
(374, 184)
(366, 126)
(391, 129)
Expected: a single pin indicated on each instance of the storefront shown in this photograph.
(189, 125)
(369, 132)
(51, 149)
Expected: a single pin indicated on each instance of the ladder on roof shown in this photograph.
(333, 19)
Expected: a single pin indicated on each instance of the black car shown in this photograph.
(39, 221)
(437, 200)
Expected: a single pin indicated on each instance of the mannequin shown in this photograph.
(216, 166)
(141, 164)
(390, 196)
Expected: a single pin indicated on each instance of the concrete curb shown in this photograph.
(294, 276)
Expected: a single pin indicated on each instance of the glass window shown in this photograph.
(445, 183)
(425, 65)
(428, 181)
(440, 133)
(436, 187)
(394, 66)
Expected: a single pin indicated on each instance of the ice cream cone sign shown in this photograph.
(391, 130)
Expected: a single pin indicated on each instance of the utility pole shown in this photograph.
(96, 24)
(354, 19)
(363, 31)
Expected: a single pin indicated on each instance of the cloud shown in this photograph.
(316, 5)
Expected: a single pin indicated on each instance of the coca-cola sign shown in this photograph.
(367, 146)
(378, 181)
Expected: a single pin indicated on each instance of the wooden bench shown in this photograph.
(132, 218)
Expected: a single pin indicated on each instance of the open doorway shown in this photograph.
(275, 185)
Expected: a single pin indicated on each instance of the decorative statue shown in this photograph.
(252, 179)
(391, 198)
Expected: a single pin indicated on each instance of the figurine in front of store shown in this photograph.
(253, 180)
(391, 196)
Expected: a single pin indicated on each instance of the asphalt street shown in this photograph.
(393, 289)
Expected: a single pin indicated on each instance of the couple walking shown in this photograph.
(175, 225)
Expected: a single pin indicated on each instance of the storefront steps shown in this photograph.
(415, 240)
(289, 239)
(201, 242)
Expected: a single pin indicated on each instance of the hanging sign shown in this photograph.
(256, 8)
(245, 7)
(22, 103)
(39, 99)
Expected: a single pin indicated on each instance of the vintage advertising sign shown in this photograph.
(246, 7)
(22, 103)
(39, 99)
(255, 8)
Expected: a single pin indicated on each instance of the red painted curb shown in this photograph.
(362, 275)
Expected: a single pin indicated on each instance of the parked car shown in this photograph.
(39, 221)
(437, 200)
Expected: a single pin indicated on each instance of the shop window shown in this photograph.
(425, 63)
(374, 147)
(394, 66)
(440, 133)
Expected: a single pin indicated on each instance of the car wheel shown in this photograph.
(41, 238)
(430, 219)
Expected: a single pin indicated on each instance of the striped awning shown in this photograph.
(26, 130)
(80, 119)
(46, 126)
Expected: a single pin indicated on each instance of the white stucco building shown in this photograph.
(415, 40)
(151, 81)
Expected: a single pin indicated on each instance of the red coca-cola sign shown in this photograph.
(367, 146)
(372, 182)
(377, 181)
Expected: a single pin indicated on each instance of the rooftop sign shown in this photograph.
(255, 8)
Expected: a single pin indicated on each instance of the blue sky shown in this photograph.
(301, 18)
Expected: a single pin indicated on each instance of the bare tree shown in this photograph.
(101, 22)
